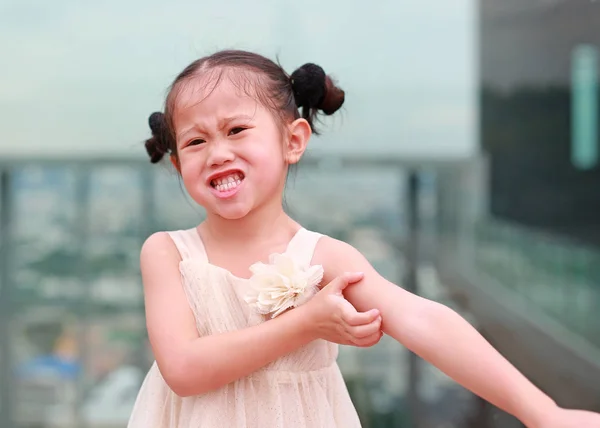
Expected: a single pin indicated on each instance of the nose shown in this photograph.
(219, 154)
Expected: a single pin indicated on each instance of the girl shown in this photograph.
(241, 333)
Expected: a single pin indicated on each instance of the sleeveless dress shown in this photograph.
(303, 389)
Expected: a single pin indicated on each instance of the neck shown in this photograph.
(256, 225)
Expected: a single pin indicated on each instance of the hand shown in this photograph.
(334, 319)
(567, 418)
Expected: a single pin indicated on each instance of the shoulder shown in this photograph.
(157, 248)
(373, 291)
(328, 245)
(337, 257)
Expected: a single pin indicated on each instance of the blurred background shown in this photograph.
(464, 166)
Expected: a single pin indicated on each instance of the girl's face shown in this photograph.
(232, 155)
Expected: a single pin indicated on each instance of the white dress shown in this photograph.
(303, 389)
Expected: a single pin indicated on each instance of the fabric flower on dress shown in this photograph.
(282, 284)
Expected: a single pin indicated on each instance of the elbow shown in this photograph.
(182, 387)
(418, 328)
(178, 388)
(184, 391)
(187, 381)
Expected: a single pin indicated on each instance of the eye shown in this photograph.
(196, 142)
(236, 130)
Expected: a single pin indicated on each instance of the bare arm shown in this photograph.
(438, 335)
(192, 365)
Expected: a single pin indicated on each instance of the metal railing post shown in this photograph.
(412, 285)
(7, 390)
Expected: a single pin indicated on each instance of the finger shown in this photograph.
(362, 331)
(354, 318)
(342, 281)
(369, 340)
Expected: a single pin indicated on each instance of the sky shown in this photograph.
(79, 79)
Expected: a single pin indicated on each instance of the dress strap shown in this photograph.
(189, 244)
(302, 246)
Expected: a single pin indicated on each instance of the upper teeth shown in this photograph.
(228, 182)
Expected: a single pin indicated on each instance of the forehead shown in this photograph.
(215, 94)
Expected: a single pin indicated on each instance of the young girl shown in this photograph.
(241, 333)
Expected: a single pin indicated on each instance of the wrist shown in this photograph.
(304, 322)
(300, 322)
(537, 415)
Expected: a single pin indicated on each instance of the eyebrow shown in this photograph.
(222, 124)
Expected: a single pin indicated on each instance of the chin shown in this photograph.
(232, 213)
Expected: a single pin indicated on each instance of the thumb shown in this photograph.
(346, 279)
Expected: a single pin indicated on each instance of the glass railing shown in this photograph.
(73, 306)
(78, 348)
(557, 276)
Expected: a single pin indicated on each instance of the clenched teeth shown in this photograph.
(228, 182)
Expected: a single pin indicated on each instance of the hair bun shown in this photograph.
(156, 121)
(334, 97)
(157, 146)
(308, 83)
(314, 89)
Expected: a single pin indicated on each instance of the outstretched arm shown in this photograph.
(438, 335)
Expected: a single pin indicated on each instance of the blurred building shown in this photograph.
(539, 66)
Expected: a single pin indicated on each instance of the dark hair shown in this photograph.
(308, 89)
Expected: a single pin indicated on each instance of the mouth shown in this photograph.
(227, 182)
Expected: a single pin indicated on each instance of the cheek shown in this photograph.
(270, 151)
(189, 169)
(270, 161)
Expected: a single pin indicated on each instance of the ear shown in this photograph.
(299, 134)
(175, 163)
